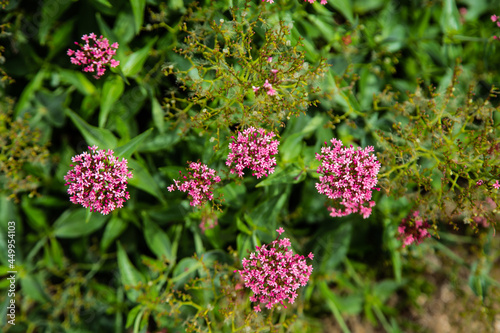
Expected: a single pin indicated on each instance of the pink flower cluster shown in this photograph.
(253, 149)
(413, 229)
(270, 90)
(94, 56)
(349, 175)
(496, 19)
(98, 181)
(198, 183)
(274, 273)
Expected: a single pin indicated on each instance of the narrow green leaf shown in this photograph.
(111, 92)
(36, 216)
(100, 137)
(157, 240)
(138, 7)
(344, 7)
(132, 315)
(158, 115)
(450, 17)
(291, 174)
(129, 275)
(114, 228)
(71, 223)
(29, 92)
(78, 80)
(131, 146)
(134, 62)
(32, 288)
(143, 180)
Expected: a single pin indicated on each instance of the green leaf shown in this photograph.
(292, 174)
(78, 80)
(143, 180)
(71, 223)
(29, 92)
(450, 17)
(56, 252)
(244, 245)
(158, 115)
(51, 11)
(184, 270)
(332, 246)
(129, 275)
(36, 216)
(291, 148)
(33, 288)
(138, 10)
(111, 92)
(100, 137)
(114, 228)
(105, 3)
(130, 147)
(242, 226)
(344, 7)
(134, 62)
(157, 240)
(132, 315)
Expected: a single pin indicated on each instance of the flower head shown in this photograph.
(198, 183)
(274, 273)
(348, 175)
(98, 181)
(253, 149)
(413, 229)
(94, 56)
(496, 185)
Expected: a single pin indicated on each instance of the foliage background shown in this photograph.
(129, 271)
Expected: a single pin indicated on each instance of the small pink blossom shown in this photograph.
(494, 18)
(348, 175)
(270, 59)
(496, 185)
(98, 181)
(479, 182)
(253, 149)
(95, 56)
(413, 229)
(274, 273)
(280, 230)
(198, 183)
(255, 88)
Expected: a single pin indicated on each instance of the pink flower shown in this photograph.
(496, 185)
(494, 18)
(198, 183)
(253, 149)
(274, 273)
(270, 59)
(413, 229)
(255, 88)
(280, 230)
(98, 181)
(94, 58)
(348, 175)
(479, 182)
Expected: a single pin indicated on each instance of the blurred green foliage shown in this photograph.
(149, 267)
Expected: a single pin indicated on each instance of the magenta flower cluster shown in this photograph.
(253, 149)
(198, 183)
(94, 55)
(348, 175)
(98, 181)
(274, 273)
(413, 229)
(495, 18)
